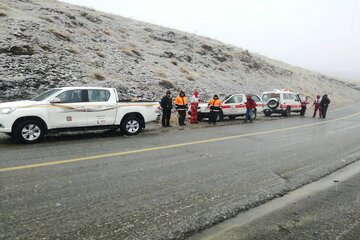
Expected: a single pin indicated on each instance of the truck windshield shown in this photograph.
(45, 95)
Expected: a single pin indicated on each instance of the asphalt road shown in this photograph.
(326, 209)
(168, 183)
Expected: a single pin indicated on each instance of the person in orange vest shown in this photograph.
(181, 106)
(316, 105)
(215, 108)
(194, 103)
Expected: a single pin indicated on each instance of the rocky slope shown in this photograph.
(46, 43)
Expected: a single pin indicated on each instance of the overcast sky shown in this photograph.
(322, 35)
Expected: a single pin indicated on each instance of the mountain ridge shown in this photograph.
(47, 44)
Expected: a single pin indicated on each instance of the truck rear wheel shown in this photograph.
(29, 131)
(131, 126)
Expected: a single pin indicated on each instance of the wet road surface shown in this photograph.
(165, 184)
(325, 209)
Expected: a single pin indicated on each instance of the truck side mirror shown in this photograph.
(55, 100)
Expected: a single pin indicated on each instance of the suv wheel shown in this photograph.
(286, 112)
(131, 126)
(29, 131)
(267, 113)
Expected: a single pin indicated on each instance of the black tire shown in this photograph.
(286, 112)
(232, 117)
(200, 118)
(29, 131)
(131, 125)
(273, 104)
(267, 113)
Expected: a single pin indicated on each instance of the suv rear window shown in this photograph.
(267, 96)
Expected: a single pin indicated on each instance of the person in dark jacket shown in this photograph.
(250, 107)
(166, 105)
(324, 104)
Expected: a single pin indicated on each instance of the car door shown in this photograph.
(240, 104)
(286, 100)
(259, 103)
(297, 102)
(102, 107)
(229, 106)
(70, 111)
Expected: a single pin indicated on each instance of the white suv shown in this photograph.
(281, 102)
(232, 106)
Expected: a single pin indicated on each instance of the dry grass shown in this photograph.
(161, 72)
(3, 7)
(173, 61)
(187, 73)
(45, 47)
(91, 17)
(108, 31)
(85, 32)
(184, 70)
(63, 35)
(3, 13)
(189, 77)
(132, 50)
(100, 53)
(98, 75)
(168, 84)
(147, 40)
(47, 18)
(73, 49)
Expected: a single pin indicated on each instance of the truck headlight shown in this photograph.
(7, 110)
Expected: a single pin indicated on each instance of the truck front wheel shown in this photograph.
(29, 131)
(131, 126)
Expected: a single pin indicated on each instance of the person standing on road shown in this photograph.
(250, 107)
(324, 104)
(316, 105)
(194, 103)
(166, 105)
(215, 108)
(181, 106)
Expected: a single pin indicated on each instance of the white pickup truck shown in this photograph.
(74, 108)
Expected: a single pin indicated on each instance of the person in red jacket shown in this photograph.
(316, 105)
(194, 103)
(250, 107)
